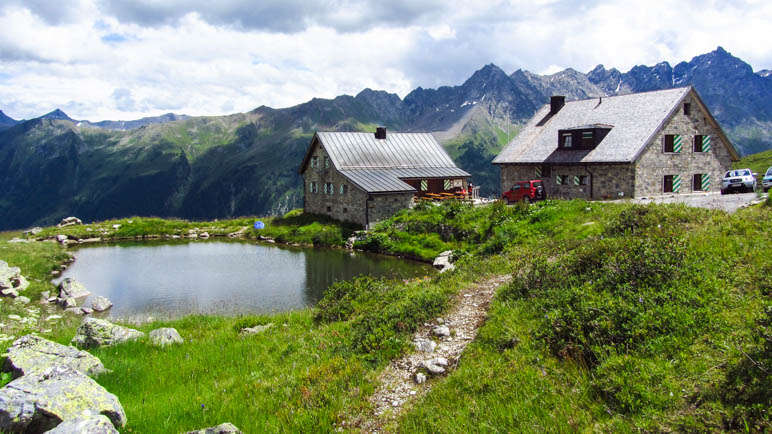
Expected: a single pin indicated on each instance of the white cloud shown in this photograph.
(101, 59)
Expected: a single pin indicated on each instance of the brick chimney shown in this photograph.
(380, 133)
(556, 103)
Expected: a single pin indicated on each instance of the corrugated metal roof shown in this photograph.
(397, 150)
(376, 165)
(635, 118)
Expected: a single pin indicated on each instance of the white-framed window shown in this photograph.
(672, 143)
(566, 140)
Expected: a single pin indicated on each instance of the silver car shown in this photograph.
(766, 183)
(738, 180)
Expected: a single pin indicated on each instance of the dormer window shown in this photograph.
(566, 140)
(583, 137)
(587, 139)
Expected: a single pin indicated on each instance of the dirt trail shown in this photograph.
(398, 387)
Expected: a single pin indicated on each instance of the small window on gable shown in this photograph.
(329, 208)
(314, 162)
(672, 143)
(343, 189)
(687, 108)
(326, 162)
(587, 139)
(566, 140)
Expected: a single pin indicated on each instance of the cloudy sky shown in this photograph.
(111, 59)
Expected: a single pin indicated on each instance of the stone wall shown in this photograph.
(608, 181)
(653, 164)
(354, 205)
(346, 207)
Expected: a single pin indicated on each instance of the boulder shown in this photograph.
(225, 428)
(39, 402)
(425, 345)
(256, 329)
(22, 299)
(68, 303)
(34, 231)
(435, 366)
(9, 293)
(69, 221)
(204, 235)
(20, 283)
(71, 288)
(165, 336)
(101, 304)
(419, 378)
(79, 310)
(61, 238)
(94, 332)
(98, 424)
(442, 261)
(31, 353)
(8, 275)
(441, 331)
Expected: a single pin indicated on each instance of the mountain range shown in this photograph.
(245, 164)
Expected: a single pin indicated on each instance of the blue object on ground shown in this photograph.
(259, 225)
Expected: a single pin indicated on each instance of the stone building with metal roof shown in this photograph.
(636, 145)
(364, 178)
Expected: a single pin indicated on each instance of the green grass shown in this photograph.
(620, 318)
(758, 163)
(294, 227)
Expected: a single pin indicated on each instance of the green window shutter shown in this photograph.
(576, 180)
(424, 185)
(537, 171)
(676, 183)
(447, 184)
(705, 182)
(677, 143)
(705, 143)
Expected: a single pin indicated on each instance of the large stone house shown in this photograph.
(364, 178)
(637, 145)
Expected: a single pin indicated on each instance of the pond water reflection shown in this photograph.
(169, 280)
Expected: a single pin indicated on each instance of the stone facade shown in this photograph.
(654, 164)
(646, 176)
(345, 201)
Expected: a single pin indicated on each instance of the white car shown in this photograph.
(738, 180)
(766, 183)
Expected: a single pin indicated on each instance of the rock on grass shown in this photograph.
(94, 332)
(32, 353)
(40, 402)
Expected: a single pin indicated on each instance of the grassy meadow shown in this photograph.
(620, 317)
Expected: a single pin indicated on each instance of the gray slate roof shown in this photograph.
(635, 118)
(376, 165)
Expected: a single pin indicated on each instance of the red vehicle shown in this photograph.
(527, 191)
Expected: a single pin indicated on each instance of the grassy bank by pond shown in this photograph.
(620, 317)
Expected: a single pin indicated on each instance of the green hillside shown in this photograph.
(758, 162)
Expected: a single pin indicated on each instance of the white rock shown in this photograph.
(425, 345)
(101, 304)
(441, 331)
(420, 378)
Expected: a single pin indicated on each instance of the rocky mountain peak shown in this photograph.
(57, 115)
(6, 121)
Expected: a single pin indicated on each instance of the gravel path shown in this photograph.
(398, 386)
